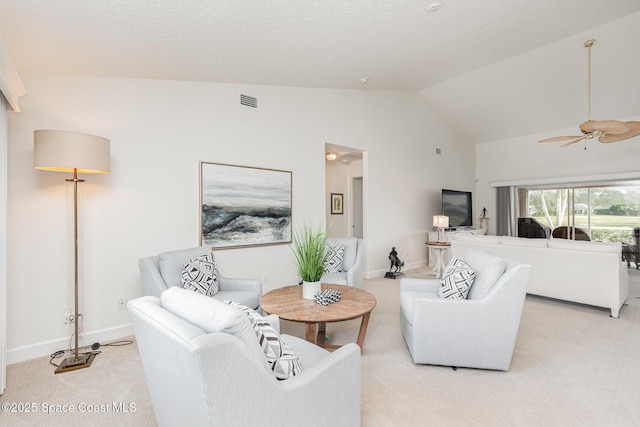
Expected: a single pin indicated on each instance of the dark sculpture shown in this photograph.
(396, 263)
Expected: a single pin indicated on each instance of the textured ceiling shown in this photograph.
(312, 43)
(397, 45)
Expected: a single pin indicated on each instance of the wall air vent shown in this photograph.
(248, 101)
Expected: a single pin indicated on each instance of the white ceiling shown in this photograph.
(396, 44)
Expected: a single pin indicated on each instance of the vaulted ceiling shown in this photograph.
(459, 56)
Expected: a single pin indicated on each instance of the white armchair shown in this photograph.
(215, 378)
(478, 332)
(352, 265)
(158, 273)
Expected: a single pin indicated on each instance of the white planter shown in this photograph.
(310, 289)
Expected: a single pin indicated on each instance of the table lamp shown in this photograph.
(441, 222)
(62, 151)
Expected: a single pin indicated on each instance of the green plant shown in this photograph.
(309, 246)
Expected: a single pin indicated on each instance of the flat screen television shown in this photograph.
(457, 205)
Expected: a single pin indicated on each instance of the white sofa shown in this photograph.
(583, 272)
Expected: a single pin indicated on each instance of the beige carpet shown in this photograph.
(573, 366)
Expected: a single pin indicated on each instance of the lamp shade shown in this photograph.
(62, 151)
(440, 221)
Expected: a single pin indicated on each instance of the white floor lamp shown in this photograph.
(63, 151)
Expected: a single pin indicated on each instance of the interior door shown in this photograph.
(357, 207)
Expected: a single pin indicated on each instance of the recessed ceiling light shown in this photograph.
(364, 80)
(434, 7)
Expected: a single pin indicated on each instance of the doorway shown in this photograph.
(345, 178)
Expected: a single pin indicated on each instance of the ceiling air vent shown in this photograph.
(248, 101)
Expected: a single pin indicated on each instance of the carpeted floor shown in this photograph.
(573, 366)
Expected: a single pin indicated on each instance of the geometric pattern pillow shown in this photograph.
(335, 258)
(284, 363)
(456, 280)
(200, 275)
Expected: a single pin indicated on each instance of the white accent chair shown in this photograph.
(479, 332)
(158, 273)
(352, 265)
(215, 378)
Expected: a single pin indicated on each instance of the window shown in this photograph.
(605, 211)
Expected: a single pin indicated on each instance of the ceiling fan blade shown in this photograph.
(559, 138)
(634, 130)
(608, 127)
(574, 141)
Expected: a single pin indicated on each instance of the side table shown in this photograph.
(439, 249)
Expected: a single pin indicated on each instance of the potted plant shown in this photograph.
(309, 248)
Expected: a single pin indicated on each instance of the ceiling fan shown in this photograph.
(604, 130)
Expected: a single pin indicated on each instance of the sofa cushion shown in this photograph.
(586, 246)
(335, 258)
(489, 268)
(170, 263)
(477, 238)
(212, 316)
(456, 280)
(521, 241)
(200, 275)
(281, 358)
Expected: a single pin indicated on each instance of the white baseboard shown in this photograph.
(46, 348)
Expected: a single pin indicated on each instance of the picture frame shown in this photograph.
(337, 203)
(243, 206)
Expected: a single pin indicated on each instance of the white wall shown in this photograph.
(159, 130)
(524, 159)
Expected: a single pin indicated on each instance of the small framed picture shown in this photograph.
(336, 204)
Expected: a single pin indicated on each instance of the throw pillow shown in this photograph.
(335, 258)
(456, 280)
(200, 275)
(281, 358)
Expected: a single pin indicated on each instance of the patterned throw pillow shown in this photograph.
(335, 258)
(281, 359)
(456, 280)
(200, 275)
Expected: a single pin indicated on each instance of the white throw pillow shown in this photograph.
(200, 275)
(489, 268)
(281, 358)
(212, 315)
(335, 258)
(456, 280)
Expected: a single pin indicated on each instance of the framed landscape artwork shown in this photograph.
(244, 206)
(336, 204)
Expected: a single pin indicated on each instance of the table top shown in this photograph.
(438, 244)
(288, 304)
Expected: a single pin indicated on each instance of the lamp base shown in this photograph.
(71, 363)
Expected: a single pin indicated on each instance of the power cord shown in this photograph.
(95, 346)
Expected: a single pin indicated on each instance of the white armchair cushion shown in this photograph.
(212, 315)
(200, 275)
(335, 258)
(281, 358)
(489, 268)
(456, 280)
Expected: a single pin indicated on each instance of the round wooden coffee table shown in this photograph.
(288, 304)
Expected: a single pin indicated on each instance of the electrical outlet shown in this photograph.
(69, 316)
(122, 303)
